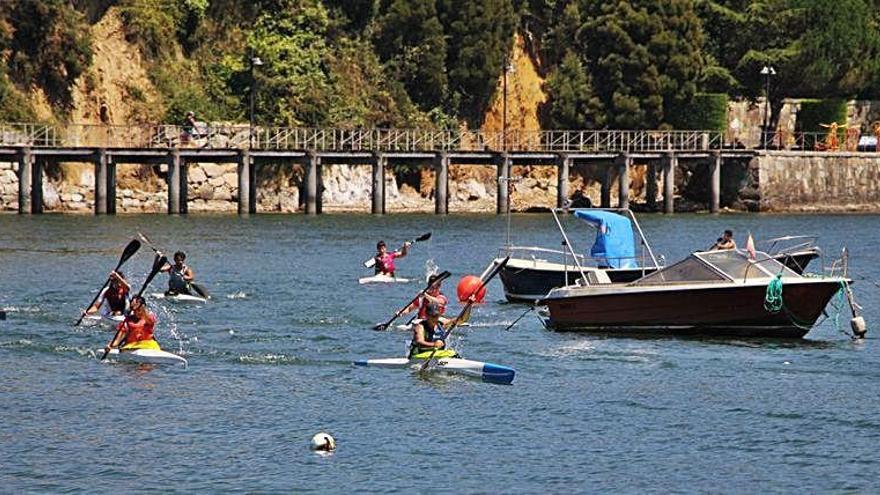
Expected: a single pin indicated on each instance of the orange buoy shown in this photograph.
(469, 285)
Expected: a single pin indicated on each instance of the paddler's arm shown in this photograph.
(188, 274)
(121, 333)
(95, 307)
(403, 250)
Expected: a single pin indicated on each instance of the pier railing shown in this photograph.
(338, 139)
(235, 136)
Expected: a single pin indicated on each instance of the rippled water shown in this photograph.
(270, 365)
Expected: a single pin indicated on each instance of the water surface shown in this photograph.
(270, 365)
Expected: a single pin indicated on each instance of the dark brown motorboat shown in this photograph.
(713, 293)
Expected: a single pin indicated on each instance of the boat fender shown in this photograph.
(859, 327)
(323, 442)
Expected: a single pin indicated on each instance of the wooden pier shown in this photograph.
(33, 147)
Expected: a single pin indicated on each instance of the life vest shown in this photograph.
(385, 264)
(423, 305)
(117, 298)
(432, 334)
(176, 282)
(138, 330)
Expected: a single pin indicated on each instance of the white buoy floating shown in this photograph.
(323, 442)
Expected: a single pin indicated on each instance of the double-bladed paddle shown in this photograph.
(464, 310)
(158, 263)
(199, 288)
(370, 263)
(440, 277)
(127, 253)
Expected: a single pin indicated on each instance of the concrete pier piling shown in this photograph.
(37, 172)
(563, 165)
(624, 163)
(311, 178)
(174, 182)
(101, 181)
(25, 167)
(715, 182)
(503, 174)
(247, 204)
(111, 186)
(670, 163)
(379, 164)
(441, 184)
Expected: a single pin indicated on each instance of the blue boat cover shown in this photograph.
(614, 245)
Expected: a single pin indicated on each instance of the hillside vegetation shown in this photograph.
(435, 63)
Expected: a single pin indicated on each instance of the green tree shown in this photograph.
(645, 58)
(480, 35)
(572, 103)
(410, 43)
(818, 48)
(293, 84)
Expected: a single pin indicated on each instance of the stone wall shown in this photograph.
(8, 186)
(819, 182)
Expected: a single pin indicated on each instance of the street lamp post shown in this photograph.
(767, 71)
(508, 67)
(255, 62)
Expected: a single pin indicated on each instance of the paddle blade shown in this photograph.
(200, 289)
(381, 327)
(129, 251)
(423, 237)
(370, 263)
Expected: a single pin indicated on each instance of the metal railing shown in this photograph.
(235, 136)
(337, 139)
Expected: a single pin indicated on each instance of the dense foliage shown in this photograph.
(608, 64)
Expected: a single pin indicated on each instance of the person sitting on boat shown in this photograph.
(431, 296)
(136, 332)
(116, 296)
(180, 276)
(385, 260)
(725, 241)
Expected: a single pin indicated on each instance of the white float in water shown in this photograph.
(323, 441)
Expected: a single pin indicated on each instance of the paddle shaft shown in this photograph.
(465, 310)
(399, 312)
(131, 248)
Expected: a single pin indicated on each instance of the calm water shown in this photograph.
(270, 366)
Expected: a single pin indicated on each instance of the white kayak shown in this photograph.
(108, 321)
(382, 279)
(151, 356)
(181, 298)
(488, 372)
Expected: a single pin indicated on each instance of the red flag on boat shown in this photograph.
(750, 246)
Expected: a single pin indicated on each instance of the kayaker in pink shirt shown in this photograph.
(385, 260)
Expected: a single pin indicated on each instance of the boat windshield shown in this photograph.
(717, 266)
(690, 269)
(736, 264)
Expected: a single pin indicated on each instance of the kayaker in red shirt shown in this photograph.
(116, 295)
(431, 296)
(385, 260)
(137, 329)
